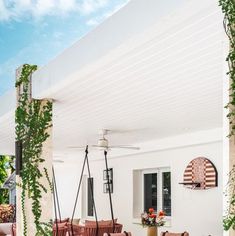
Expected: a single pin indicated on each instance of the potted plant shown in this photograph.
(152, 221)
(6, 213)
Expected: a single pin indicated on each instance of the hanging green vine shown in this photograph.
(229, 219)
(228, 8)
(32, 122)
(6, 164)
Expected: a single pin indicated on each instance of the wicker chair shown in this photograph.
(118, 234)
(90, 230)
(174, 234)
(60, 229)
(13, 229)
(66, 220)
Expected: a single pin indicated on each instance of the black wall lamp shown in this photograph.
(108, 178)
(18, 154)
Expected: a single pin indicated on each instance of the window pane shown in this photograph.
(166, 193)
(89, 197)
(150, 191)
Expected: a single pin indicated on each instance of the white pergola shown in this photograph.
(154, 72)
(155, 75)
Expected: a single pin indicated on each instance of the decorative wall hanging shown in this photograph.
(200, 174)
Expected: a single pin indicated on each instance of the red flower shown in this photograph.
(152, 216)
(151, 210)
(161, 214)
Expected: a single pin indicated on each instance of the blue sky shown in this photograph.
(35, 31)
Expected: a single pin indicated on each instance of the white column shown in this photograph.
(228, 143)
(46, 201)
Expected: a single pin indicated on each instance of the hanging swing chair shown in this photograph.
(118, 234)
(60, 227)
(94, 228)
(91, 228)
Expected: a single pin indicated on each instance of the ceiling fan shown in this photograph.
(103, 143)
(58, 161)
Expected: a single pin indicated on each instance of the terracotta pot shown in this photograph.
(152, 231)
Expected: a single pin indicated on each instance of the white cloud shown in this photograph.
(118, 7)
(32, 53)
(44, 7)
(17, 9)
(4, 13)
(93, 22)
(67, 5)
(97, 20)
(7, 68)
(90, 6)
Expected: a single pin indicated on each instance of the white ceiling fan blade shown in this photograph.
(58, 161)
(125, 147)
(77, 147)
(95, 146)
(100, 147)
(119, 131)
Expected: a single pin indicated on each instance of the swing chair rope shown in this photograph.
(86, 161)
(78, 189)
(55, 206)
(56, 193)
(109, 190)
(92, 195)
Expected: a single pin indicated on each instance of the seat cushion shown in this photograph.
(5, 228)
(174, 234)
(75, 221)
(100, 223)
(62, 220)
(108, 222)
(60, 225)
(117, 234)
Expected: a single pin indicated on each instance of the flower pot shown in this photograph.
(152, 231)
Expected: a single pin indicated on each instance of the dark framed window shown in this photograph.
(157, 190)
(90, 193)
(150, 191)
(166, 193)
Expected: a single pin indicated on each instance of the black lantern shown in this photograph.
(108, 177)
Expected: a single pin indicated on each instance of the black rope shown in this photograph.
(92, 195)
(78, 189)
(55, 208)
(56, 193)
(109, 190)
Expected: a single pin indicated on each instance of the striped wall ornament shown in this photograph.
(200, 173)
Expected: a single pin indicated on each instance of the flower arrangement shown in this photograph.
(149, 219)
(6, 213)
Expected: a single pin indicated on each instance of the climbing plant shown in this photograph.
(33, 119)
(6, 167)
(228, 8)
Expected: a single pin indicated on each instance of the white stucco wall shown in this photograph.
(198, 212)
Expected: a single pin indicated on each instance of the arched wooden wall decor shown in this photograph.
(200, 174)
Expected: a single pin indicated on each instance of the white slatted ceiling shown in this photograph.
(164, 82)
(160, 88)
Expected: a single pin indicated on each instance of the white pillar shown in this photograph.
(226, 158)
(228, 143)
(46, 201)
